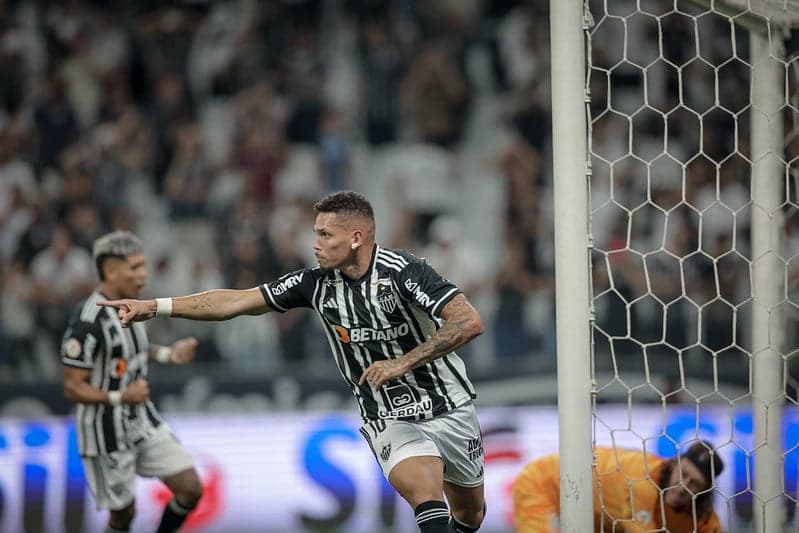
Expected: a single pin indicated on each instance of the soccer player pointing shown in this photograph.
(120, 433)
(393, 324)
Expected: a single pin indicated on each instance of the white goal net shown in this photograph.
(693, 125)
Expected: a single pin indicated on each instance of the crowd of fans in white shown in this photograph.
(210, 128)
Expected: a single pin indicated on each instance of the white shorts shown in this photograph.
(454, 437)
(111, 477)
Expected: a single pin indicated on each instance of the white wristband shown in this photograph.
(163, 307)
(163, 354)
(115, 397)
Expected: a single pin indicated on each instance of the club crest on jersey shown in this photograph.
(385, 296)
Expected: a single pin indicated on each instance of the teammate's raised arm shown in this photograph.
(216, 304)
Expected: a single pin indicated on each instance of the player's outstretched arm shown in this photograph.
(217, 304)
(462, 323)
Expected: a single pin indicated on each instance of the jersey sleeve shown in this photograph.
(291, 290)
(420, 284)
(81, 343)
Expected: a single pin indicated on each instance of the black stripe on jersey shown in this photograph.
(446, 359)
(345, 368)
(109, 435)
(385, 350)
(460, 378)
(374, 313)
(155, 420)
(433, 366)
(437, 390)
(135, 338)
(363, 354)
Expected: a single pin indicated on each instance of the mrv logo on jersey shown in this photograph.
(287, 283)
(422, 297)
(368, 334)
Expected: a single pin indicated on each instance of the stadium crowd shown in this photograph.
(209, 128)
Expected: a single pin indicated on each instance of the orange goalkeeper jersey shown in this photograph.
(630, 499)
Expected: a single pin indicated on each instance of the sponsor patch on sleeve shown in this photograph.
(72, 347)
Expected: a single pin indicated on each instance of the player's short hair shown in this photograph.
(702, 454)
(118, 245)
(348, 202)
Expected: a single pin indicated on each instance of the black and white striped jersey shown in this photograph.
(95, 340)
(392, 309)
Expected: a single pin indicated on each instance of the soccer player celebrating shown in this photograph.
(393, 324)
(634, 492)
(120, 433)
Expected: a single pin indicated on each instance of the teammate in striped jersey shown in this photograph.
(393, 324)
(120, 433)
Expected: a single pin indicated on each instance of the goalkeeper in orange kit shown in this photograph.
(633, 492)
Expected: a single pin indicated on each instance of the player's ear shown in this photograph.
(357, 239)
(106, 269)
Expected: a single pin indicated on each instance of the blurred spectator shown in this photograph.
(246, 249)
(435, 92)
(15, 170)
(334, 153)
(62, 274)
(293, 327)
(214, 47)
(454, 255)
(36, 235)
(84, 224)
(259, 149)
(17, 197)
(171, 103)
(423, 180)
(514, 282)
(56, 124)
(17, 319)
(382, 65)
(304, 80)
(189, 177)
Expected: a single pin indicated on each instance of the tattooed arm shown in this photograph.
(462, 323)
(217, 304)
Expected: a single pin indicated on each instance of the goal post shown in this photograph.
(768, 275)
(572, 299)
(658, 142)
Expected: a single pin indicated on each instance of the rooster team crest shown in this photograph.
(385, 296)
